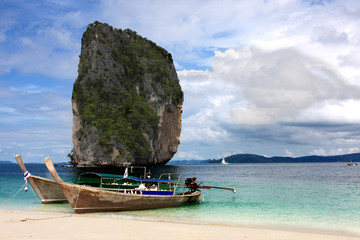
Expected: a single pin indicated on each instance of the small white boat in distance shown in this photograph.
(224, 162)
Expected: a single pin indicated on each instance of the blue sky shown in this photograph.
(265, 77)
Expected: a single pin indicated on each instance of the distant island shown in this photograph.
(6, 162)
(253, 158)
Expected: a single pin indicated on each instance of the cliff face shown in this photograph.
(127, 100)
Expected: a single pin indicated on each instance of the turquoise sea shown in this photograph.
(319, 196)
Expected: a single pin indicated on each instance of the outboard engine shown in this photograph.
(191, 183)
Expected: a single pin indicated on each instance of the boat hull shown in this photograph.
(88, 199)
(47, 190)
(84, 199)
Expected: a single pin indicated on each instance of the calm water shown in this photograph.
(308, 195)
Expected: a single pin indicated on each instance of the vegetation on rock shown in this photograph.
(120, 74)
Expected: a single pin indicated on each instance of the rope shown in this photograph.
(13, 196)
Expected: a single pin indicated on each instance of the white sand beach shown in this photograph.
(35, 225)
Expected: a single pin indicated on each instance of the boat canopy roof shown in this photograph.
(117, 176)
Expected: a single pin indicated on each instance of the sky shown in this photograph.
(269, 77)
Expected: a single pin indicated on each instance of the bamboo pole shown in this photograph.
(209, 187)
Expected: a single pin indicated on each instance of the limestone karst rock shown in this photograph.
(127, 100)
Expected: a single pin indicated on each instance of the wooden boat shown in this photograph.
(351, 164)
(85, 199)
(47, 190)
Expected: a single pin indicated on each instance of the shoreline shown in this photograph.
(49, 225)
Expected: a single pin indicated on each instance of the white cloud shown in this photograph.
(350, 60)
(194, 80)
(329, 35)
(289, 153)
(252, 88)
(206, 106)
(193, 155)
(7, 110)
(318, 152)
(279, 85)
(341, 151)
(332, 152)
(30, 89)
(41, 59)
(346, 111)
(252, 117)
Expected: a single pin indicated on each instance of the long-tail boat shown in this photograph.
(47, 190)
(85, 199)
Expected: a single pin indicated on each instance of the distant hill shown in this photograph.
(252, 158)
(6, 162)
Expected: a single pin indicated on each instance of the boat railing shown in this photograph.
(167, 183)
(172, 176)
